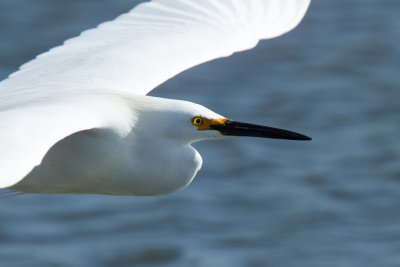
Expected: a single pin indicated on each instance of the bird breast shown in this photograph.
(99, 161)
(162, 167)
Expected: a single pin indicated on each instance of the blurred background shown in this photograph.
(334, 201)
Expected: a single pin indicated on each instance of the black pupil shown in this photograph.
(198, 121)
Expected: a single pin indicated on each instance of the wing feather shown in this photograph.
(143, 48)
(30, 130)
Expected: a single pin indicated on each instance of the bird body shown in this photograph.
(152, 159)
(77, 119)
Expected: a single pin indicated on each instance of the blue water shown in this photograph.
(330, 202)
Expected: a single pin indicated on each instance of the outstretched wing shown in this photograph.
(157, 40)
(58, 93)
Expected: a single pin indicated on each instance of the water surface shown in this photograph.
(330, 202)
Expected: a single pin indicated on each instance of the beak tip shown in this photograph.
(306, 138)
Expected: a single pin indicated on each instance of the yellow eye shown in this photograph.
(197, 121)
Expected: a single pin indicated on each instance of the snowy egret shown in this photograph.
(77, 119)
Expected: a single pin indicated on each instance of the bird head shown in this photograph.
(190, 122)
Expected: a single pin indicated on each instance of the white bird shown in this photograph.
(77, 119)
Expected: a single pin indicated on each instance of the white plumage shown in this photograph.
(85, 100)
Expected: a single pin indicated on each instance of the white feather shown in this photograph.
(78, 86)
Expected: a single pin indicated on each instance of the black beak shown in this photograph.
(234, 128)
